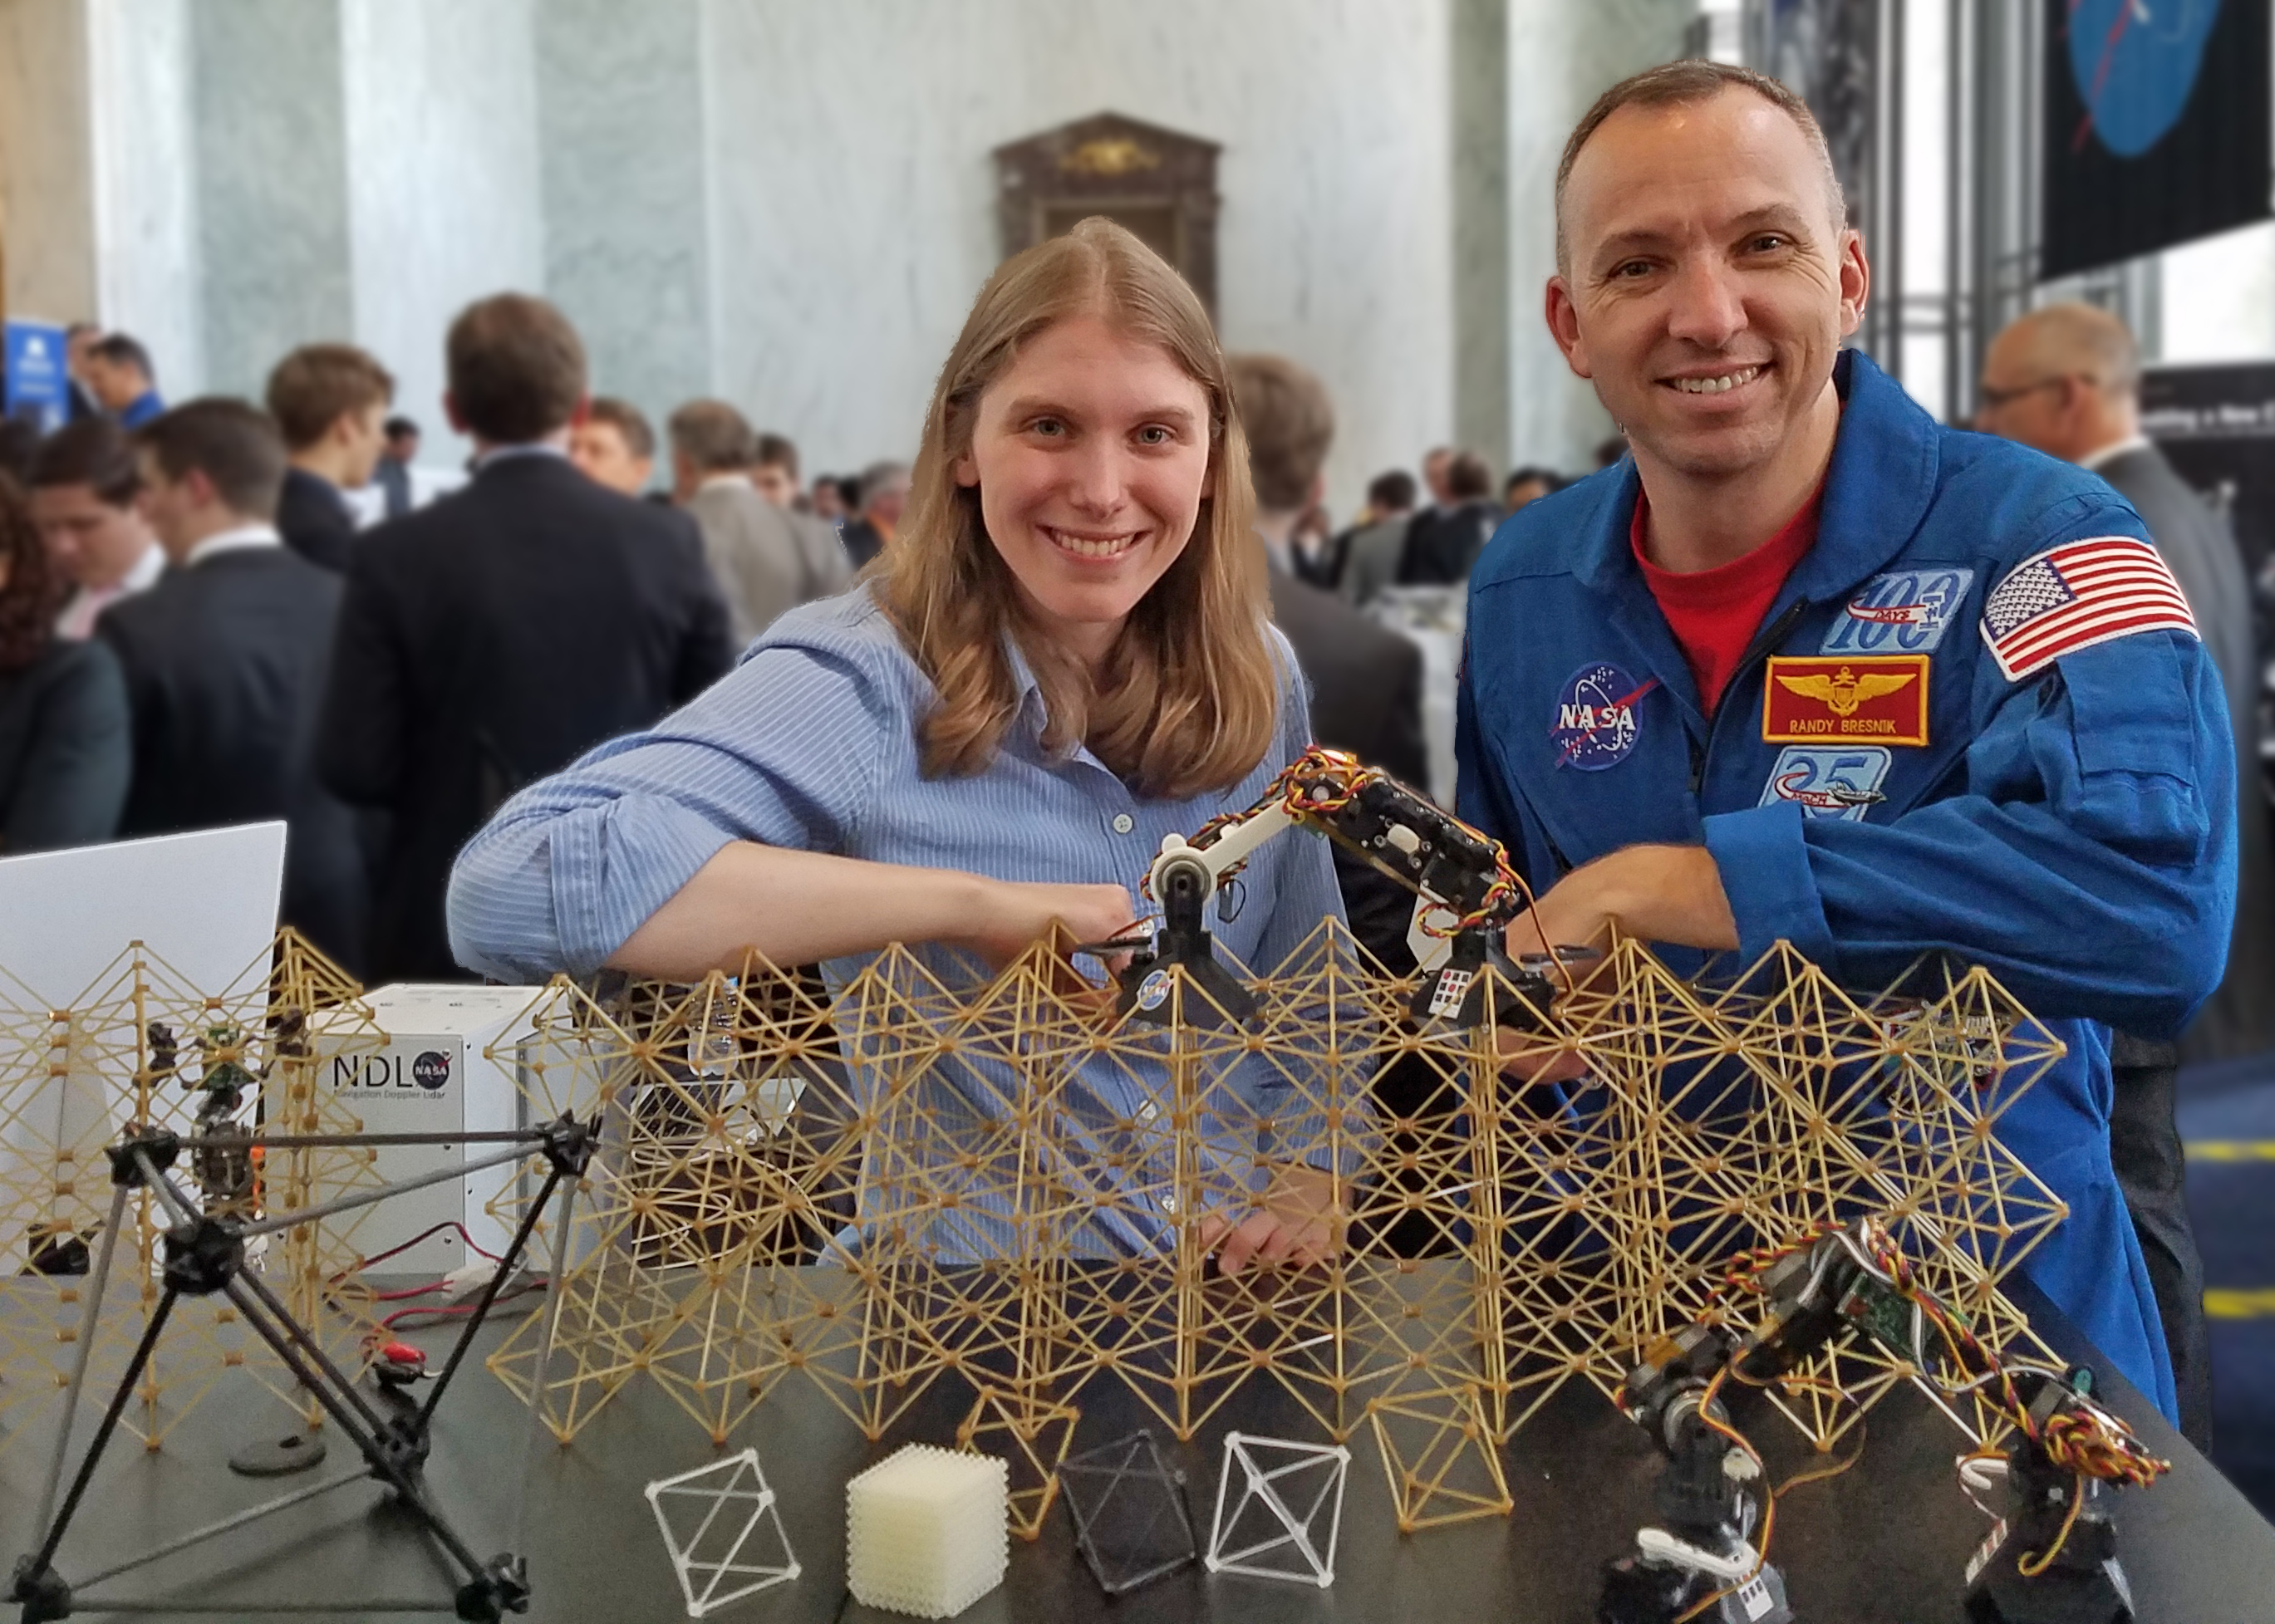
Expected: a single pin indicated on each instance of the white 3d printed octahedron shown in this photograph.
(1272, 1530)
(717, 1554)
(927, 1532)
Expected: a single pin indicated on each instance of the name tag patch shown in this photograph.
(1905, 612)
(1818, 699)
(1595, 726)
(1829, 780)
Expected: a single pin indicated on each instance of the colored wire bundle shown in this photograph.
(2081, 1438)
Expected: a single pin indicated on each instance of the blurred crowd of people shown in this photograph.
(218, 612)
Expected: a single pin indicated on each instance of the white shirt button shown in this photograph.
(1124, 823)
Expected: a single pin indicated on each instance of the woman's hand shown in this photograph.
(1300, 1224)
(1013, 915)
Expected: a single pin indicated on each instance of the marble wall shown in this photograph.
(440, 104)
(1478, 102)
(621, 115)
(1561, 56)
(272, 193)
(792, 204)
(854, 193)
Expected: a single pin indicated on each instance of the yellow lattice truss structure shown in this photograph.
(137, 1045)
(942, 1173)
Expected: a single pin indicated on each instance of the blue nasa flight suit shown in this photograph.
(2073, 832)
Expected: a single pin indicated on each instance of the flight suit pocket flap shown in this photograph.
(2135, 737)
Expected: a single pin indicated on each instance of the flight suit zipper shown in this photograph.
(1763, 647)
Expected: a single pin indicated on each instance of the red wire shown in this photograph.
(471, 1245)
(456, 1311)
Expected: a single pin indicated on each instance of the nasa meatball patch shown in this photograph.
(1596, 724)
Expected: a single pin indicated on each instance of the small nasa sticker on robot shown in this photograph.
(1153, 990)
(1905, 612)
(1596, 725)
(1829, 780)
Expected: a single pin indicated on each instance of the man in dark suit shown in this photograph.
(225, 658)
(2066, 379)
(1366, 681)
(1444, 539)
(393, 473)
(494, 636)
(331, 401)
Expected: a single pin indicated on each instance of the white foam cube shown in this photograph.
(927, 1532)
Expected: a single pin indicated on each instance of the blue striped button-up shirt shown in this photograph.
(811, 743)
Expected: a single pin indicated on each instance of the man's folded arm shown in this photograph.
(2089, 865)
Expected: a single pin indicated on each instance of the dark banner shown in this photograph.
(2217, 425)
(2157, 126)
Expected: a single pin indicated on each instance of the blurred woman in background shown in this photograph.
(65, 751)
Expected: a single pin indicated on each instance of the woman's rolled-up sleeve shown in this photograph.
(784, 752)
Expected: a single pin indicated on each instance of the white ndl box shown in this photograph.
(433, 1076)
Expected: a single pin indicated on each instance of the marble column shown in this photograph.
(1561, 56)
(621, 99)
(272, 165)
(97, 174)
(150, 275)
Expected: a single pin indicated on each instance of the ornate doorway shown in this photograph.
(1159, 183)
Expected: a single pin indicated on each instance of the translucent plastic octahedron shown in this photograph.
(1286, 1491)
(1129, 1510)
(927, 1532)
(723, 1529)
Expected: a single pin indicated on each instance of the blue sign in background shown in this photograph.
(39, 381)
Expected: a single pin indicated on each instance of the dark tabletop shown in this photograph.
(1885, 1541)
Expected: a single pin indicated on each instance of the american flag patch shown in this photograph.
(2078, 595)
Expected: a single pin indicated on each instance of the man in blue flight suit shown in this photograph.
(1809, 667)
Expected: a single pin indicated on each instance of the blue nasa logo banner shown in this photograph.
(1596, 723)
(2154, 127)
(2134, 66)
(1829, 780)
(39, 382)
(1904, 612)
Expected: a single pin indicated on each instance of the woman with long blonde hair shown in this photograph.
(1062, 656)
